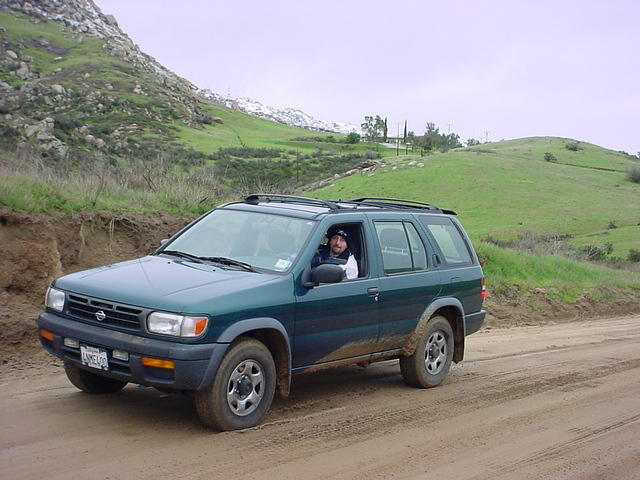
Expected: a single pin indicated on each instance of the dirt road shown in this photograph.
(558, 401)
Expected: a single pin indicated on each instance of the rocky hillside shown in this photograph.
(73, 85)
(72, 81)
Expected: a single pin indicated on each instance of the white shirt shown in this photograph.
(351, 267)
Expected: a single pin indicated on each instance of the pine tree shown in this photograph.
(405, 132)
(385, 129)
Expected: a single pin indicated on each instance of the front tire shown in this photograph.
(429, 364)
(242, 390)
(91, 383)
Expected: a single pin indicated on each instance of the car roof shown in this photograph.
(305, 207)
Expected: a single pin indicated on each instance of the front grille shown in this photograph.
(117, 315)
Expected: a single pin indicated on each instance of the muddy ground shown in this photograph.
(36, 248)
(541, 402)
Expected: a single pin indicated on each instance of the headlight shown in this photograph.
(55, 299)
(176, 325)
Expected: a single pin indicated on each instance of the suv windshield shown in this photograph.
(261, 240)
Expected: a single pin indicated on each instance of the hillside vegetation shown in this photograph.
(94, 123)
(504, 189)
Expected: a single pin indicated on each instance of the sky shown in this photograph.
(488, 70)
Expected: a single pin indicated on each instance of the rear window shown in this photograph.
(401, 246)
(449, 239)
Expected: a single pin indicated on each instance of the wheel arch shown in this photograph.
(274, 336)
(451, 309)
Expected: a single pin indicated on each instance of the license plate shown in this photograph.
(94, 357)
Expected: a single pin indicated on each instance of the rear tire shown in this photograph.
(242, 390)
(429, 364)
(91, 383)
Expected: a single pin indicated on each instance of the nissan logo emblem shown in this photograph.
(100, 315)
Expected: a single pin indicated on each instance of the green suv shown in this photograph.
(257, 290)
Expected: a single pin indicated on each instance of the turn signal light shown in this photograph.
(483, 291)
(158, 363)
(47, 334)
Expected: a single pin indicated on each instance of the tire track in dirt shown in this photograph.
(348, 427)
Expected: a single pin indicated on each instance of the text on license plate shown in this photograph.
(94, 357)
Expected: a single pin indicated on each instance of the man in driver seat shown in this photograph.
(337, 251)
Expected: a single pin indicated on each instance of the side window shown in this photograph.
(417, 248)
(402, 249)
(449, 239)
(350, 252)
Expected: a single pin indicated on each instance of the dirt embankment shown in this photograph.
(36, 248)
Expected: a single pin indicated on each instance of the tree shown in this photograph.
(353, 137)
(373, 127)
(472, 142)
(386, 130)
(404, 136)
(434, 140)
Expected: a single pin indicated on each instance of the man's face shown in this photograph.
(337, 244)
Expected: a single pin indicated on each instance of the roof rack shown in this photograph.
(377, 202)
(399, 203)
(255, 198)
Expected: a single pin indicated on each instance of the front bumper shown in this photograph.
(195, 364)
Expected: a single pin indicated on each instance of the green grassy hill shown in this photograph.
(506, 188)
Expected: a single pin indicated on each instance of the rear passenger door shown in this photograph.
(408, 282)
(458, 264)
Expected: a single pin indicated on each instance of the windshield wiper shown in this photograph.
(221, 260)
(188, 256)
(230, 261)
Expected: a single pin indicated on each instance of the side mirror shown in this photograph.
(325, 273)
(163, 241)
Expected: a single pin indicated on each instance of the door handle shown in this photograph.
(373, 290)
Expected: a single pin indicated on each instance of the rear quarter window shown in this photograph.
(452, 245)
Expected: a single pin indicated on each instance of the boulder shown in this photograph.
(90, 139)
(23, 71)
(59, 89)
(111, 20)
(11, 54)
(42, 130)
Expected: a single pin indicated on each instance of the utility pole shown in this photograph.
(398, 140)
(448, 128)
(486, 136)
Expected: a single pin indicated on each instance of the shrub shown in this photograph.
(353, 137)
(611, 225)
(593, 252)
(550, 157)
(573, 146)
(634, 255)
(633, 174)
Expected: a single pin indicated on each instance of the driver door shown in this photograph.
(340, 320)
